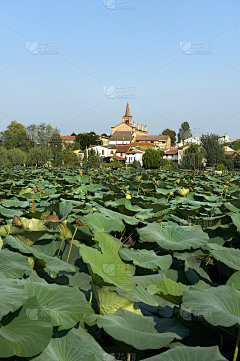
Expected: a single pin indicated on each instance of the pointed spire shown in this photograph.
(127, 114)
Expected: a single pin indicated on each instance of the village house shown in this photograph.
(134, 154)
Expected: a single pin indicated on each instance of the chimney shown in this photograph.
(146, 128)
(123, 119)
(134, 123)
(142, 127)
(138, 126)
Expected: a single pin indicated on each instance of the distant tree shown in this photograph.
(94, 159)
(35, 156)
(234, 145)
(193, 157)
(15, 136)
(4, 161)
(152, 159)
(228, 162)
(172, 135)
(214, 149)
(184, 132)
(41, 134)
(70, 158)
(17, 156)
(85, 159)
(87, 139)
(136, 164)
(236, 160)
(104, 135)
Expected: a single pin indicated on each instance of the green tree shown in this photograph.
(86, 139)
(41, 134)
(15, 136)
(94, 159)
(17, 156)
(214, 149)
(85, 159)
(234, 145)
(193, 157)
(228, 162)
(4, 161)
(184, 132)
(172, 135)
(152, 159)
(236, 160)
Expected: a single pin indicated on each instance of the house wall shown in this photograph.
(103, 151)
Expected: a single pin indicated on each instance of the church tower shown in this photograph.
(127, 118)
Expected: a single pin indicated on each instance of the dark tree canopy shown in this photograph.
(172, 135)
(193, 157)
(86, 139)
(152, 159)
(214, 149)
(184, 132)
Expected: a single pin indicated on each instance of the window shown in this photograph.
(111, 152)
(80, 155)
(102, 151)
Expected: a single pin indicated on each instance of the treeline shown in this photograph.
(34, 145)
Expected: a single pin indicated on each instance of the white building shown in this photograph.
(189, 140)
(224, 139)
(102, 150)
(133, 155)
(171, 154)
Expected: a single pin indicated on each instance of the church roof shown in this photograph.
(122, 136)
(127, 114)
(151, 137)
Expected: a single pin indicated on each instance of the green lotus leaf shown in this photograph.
(235, 280)
(110, 302)
(10, 213)
(183, 353)
(228, 256)
(236, 220)
(12, 296)
(220, 306)
(108, 264)
(173, 236)
(146, 259)
(99, 223)
(26, 335)
(13, 265)
(141, 332)
(66, 305)
(51, 263)
(76, 345)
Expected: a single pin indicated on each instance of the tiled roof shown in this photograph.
(121, 148)
(143, 143)
(184, 146)
(230, 152)
(122, 136)
(68, 137)
(151, 137)
(134, 151)
(115, 157)
(171, 152)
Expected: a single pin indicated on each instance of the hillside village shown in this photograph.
(128, 142)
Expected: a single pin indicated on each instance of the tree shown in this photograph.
(87, 139)
(184, 132)
(15, 136)
(152, 159)
(41, 134)
(236, 160)
(234, 145)
(228, 162)
(85, 159)
(17, 156)
(94, 159)
(4, 161)
(172, 135)
(193, 157)
(214, 149)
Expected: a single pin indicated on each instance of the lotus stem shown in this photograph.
(32, 201)
(125, 240)
(237, 346)
(60, 247)
(71, 244)
(123, 234)
(91, 294)
(139, 188)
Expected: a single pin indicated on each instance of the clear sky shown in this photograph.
(92, 56)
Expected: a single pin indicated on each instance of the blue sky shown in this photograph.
(84, 47)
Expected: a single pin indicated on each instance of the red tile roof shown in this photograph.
(171, 152)
(134, 151)
(115, 157)
(142, 143)
(68, 137)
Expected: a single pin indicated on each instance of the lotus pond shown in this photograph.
(119, 265)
